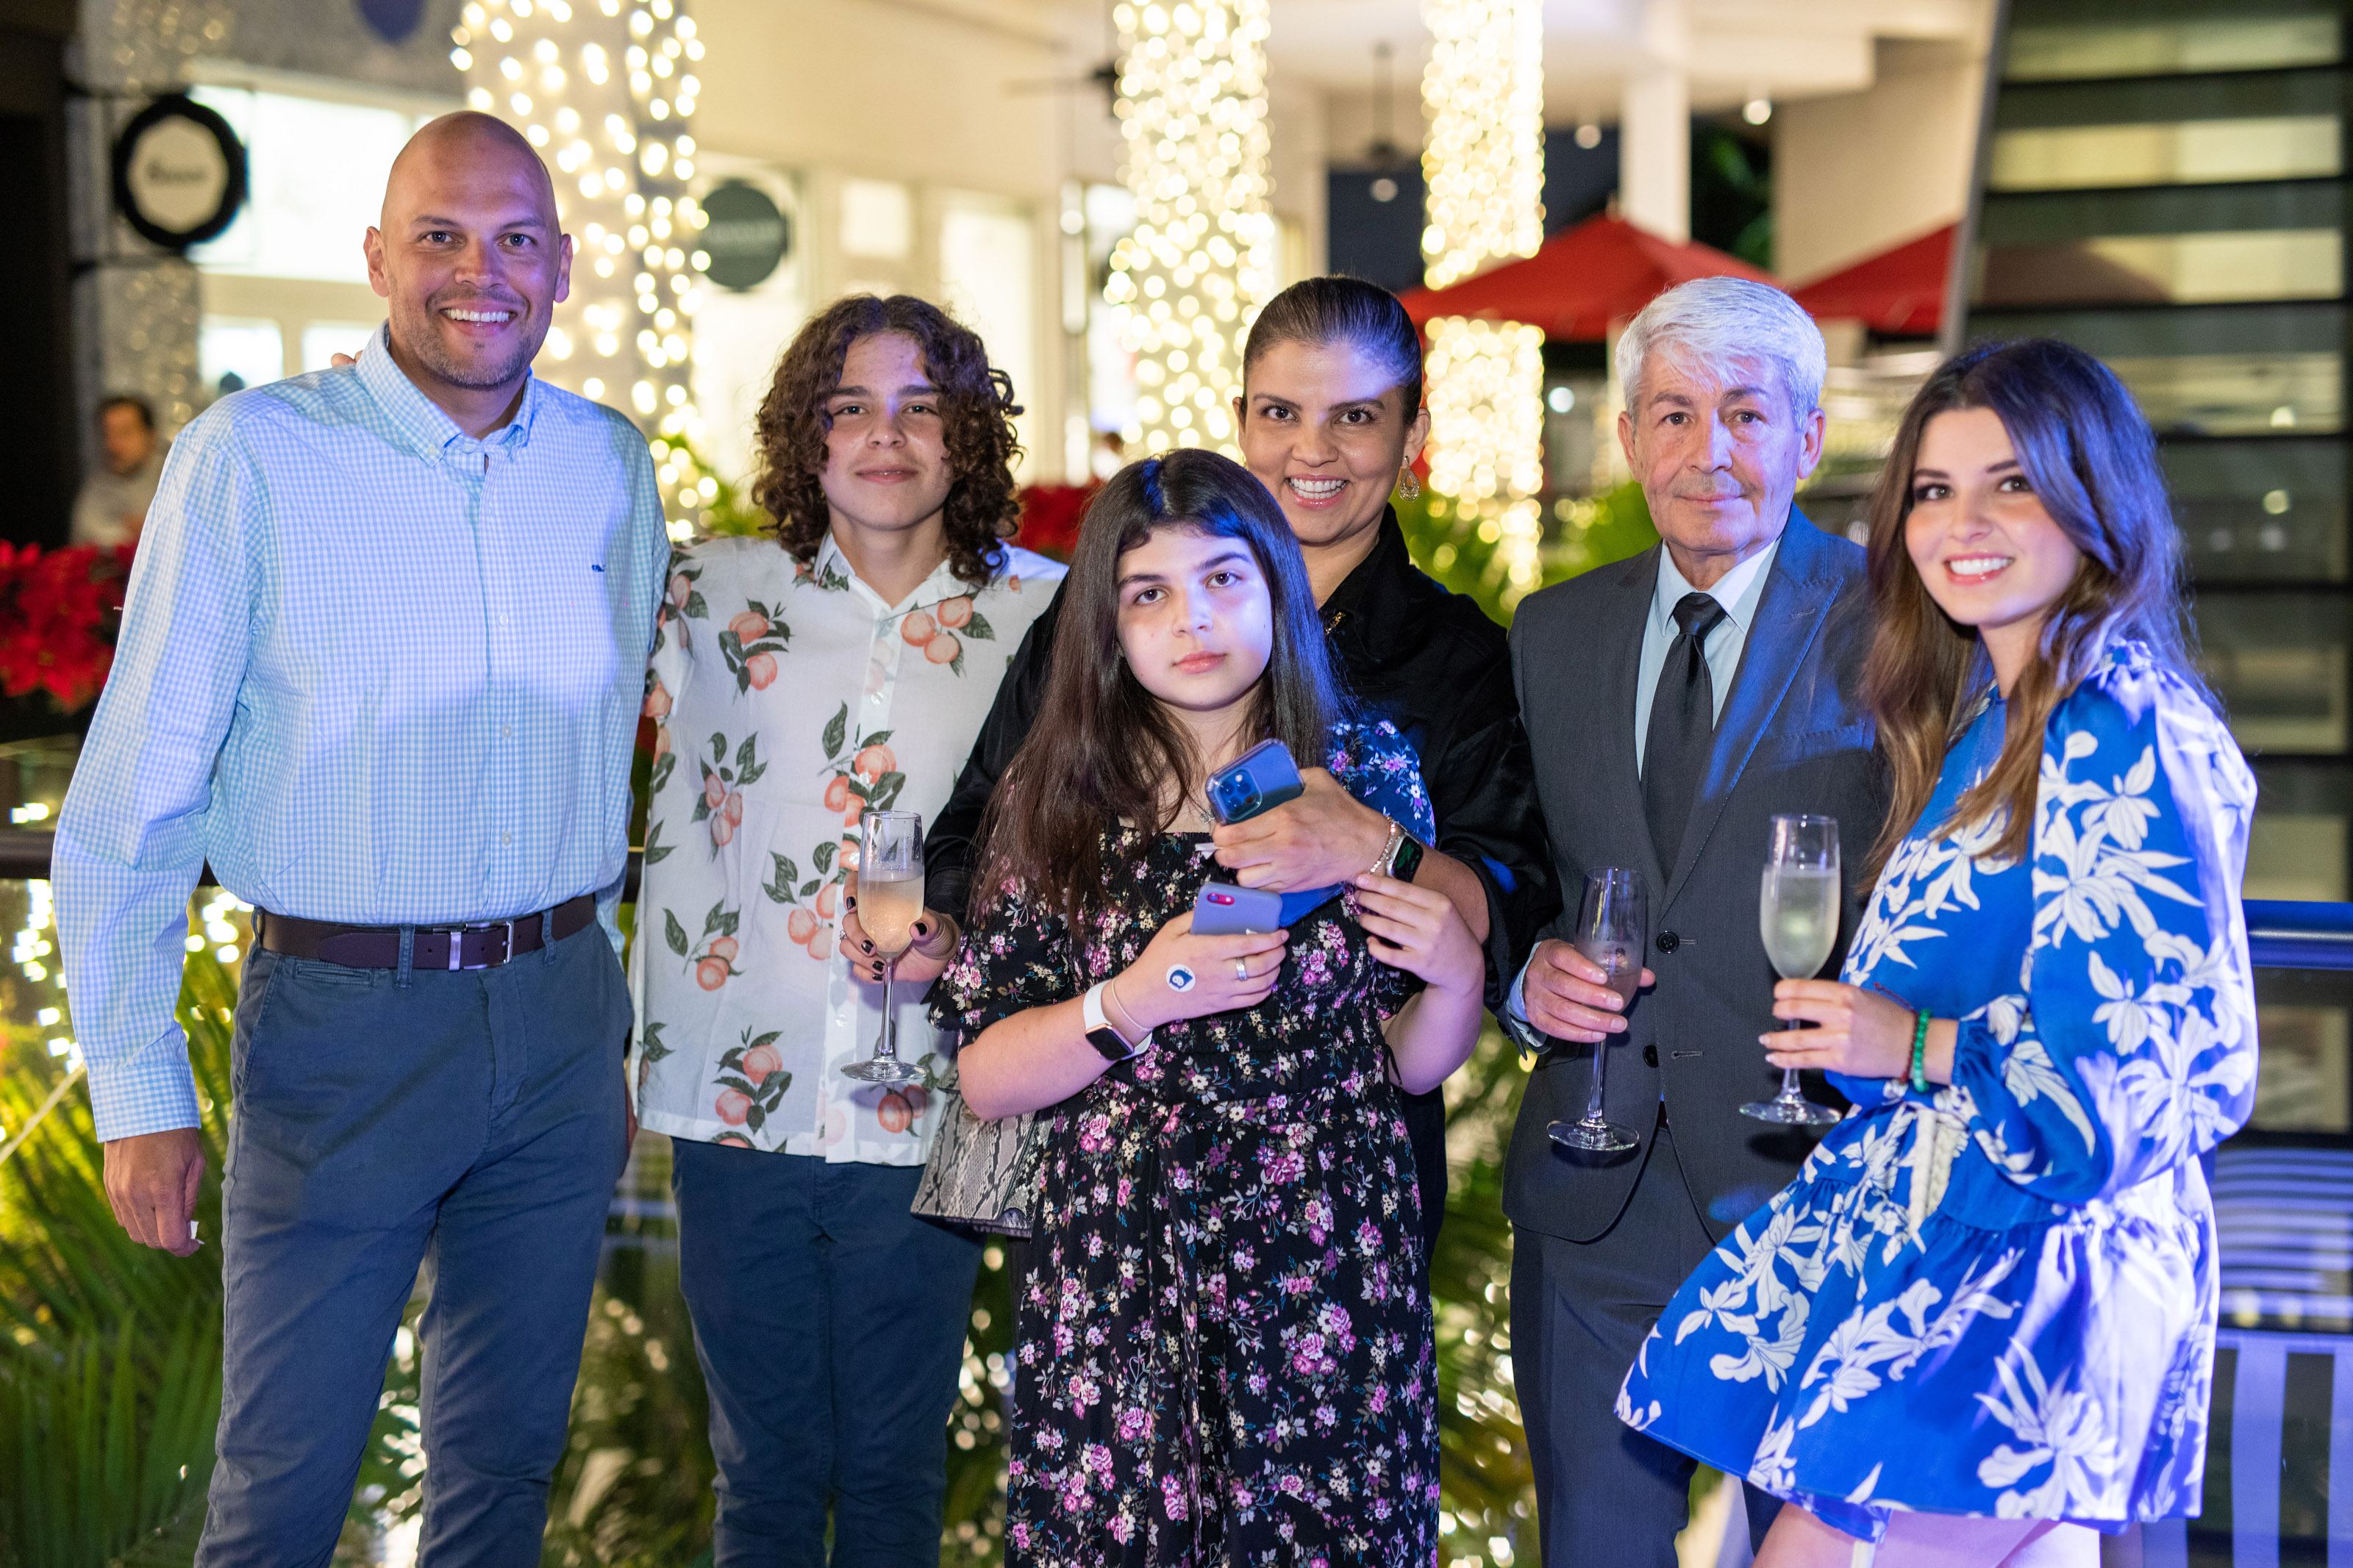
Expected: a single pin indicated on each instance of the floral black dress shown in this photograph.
(1223, 1350)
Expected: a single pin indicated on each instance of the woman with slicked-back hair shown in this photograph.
(1332, 421)
(1978, 1328)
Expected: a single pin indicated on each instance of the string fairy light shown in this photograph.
(1189, 279)
(1483, 167)
(606, 91)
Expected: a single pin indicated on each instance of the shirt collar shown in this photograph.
(942, 584)
(422, 422)
(1389, 552)
(1737, 590)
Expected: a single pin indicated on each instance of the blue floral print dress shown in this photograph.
(1223, 1348)
(1998, 1298)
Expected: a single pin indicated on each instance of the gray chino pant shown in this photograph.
(470, 1121)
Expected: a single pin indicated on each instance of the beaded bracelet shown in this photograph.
(1920, 1053)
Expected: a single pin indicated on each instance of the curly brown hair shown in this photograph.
(977, 408)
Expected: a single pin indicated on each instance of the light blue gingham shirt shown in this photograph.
(376, 672)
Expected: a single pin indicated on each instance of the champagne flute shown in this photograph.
(1798, 911)
(1613, 930)
(890, 902)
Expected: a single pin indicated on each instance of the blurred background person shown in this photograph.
(1332, 421)
(111, 506)
(842, 663)
(1223, 1344)
(1675, 702)
(1992, 1293)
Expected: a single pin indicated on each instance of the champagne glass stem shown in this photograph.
(886, 1047)
(1600, 1073)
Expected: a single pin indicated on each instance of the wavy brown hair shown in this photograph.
(977, 408)
(1104, 751)
(2092, 461)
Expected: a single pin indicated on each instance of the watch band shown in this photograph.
(1102, 1034)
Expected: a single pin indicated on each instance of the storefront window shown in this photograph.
(235, 351)
(989, 281)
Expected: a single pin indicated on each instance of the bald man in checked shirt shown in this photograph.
(381, 665)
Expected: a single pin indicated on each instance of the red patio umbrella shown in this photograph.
(1900, 292)
(1587, 277)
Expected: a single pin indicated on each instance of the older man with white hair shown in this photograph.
(1675, 704)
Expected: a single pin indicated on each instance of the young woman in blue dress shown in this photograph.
(1978, 1328)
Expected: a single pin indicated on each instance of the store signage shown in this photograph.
(179, 172)
(746, 238)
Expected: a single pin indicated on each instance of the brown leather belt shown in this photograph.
(436, 947)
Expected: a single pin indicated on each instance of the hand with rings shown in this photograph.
(1180, 976)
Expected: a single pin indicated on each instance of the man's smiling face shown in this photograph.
(470, 253)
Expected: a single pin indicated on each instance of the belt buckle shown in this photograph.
(457, 945)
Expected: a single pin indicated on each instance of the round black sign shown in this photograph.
(746, 237)
(179, 172)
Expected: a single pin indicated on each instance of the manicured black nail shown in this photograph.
(867, 945)
(850, 898)
(921, 928)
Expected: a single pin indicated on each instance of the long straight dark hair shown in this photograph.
(2091, 458)
(1103, 750)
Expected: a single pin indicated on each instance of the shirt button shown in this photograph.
(506, 837)
(506, 730)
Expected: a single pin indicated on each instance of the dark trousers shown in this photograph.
(471, 1122)
(1606, 1496)
(830, 1325)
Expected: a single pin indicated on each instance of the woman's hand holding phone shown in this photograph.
(1228, 973)
(1420, 931)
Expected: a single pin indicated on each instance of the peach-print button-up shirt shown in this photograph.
(788, 698)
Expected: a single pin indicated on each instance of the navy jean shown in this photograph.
(470, 1122)
(831, 1324)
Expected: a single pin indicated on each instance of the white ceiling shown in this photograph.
(1736, 49)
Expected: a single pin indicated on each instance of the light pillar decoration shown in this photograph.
(605, 89)
(1190, 278)
(1483, 165)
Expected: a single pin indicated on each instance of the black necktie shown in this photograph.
(1681, 729)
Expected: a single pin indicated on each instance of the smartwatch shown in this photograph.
(1108, 1042)
(1406, 858)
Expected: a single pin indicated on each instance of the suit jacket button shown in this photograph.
(1650, 1055)
(1669, 941)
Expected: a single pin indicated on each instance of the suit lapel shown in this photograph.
(1788, 618)
(1621, 645)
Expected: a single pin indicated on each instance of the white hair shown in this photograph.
(1719, 322)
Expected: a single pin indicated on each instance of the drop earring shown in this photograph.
(1408, 486)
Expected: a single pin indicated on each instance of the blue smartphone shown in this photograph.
(1263, 778)
(1222, 908)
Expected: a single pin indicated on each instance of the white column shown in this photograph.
(1483, 165)
(604, 90)
(1654, 126)
(1191, 279)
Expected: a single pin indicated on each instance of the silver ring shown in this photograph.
(1242, 970)
(1180, 978)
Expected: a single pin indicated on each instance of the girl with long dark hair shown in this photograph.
(1223, 1342)
(1979, 1325)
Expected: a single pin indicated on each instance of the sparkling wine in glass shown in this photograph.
(1613, 930)
(890, 902)
(1798, 914)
